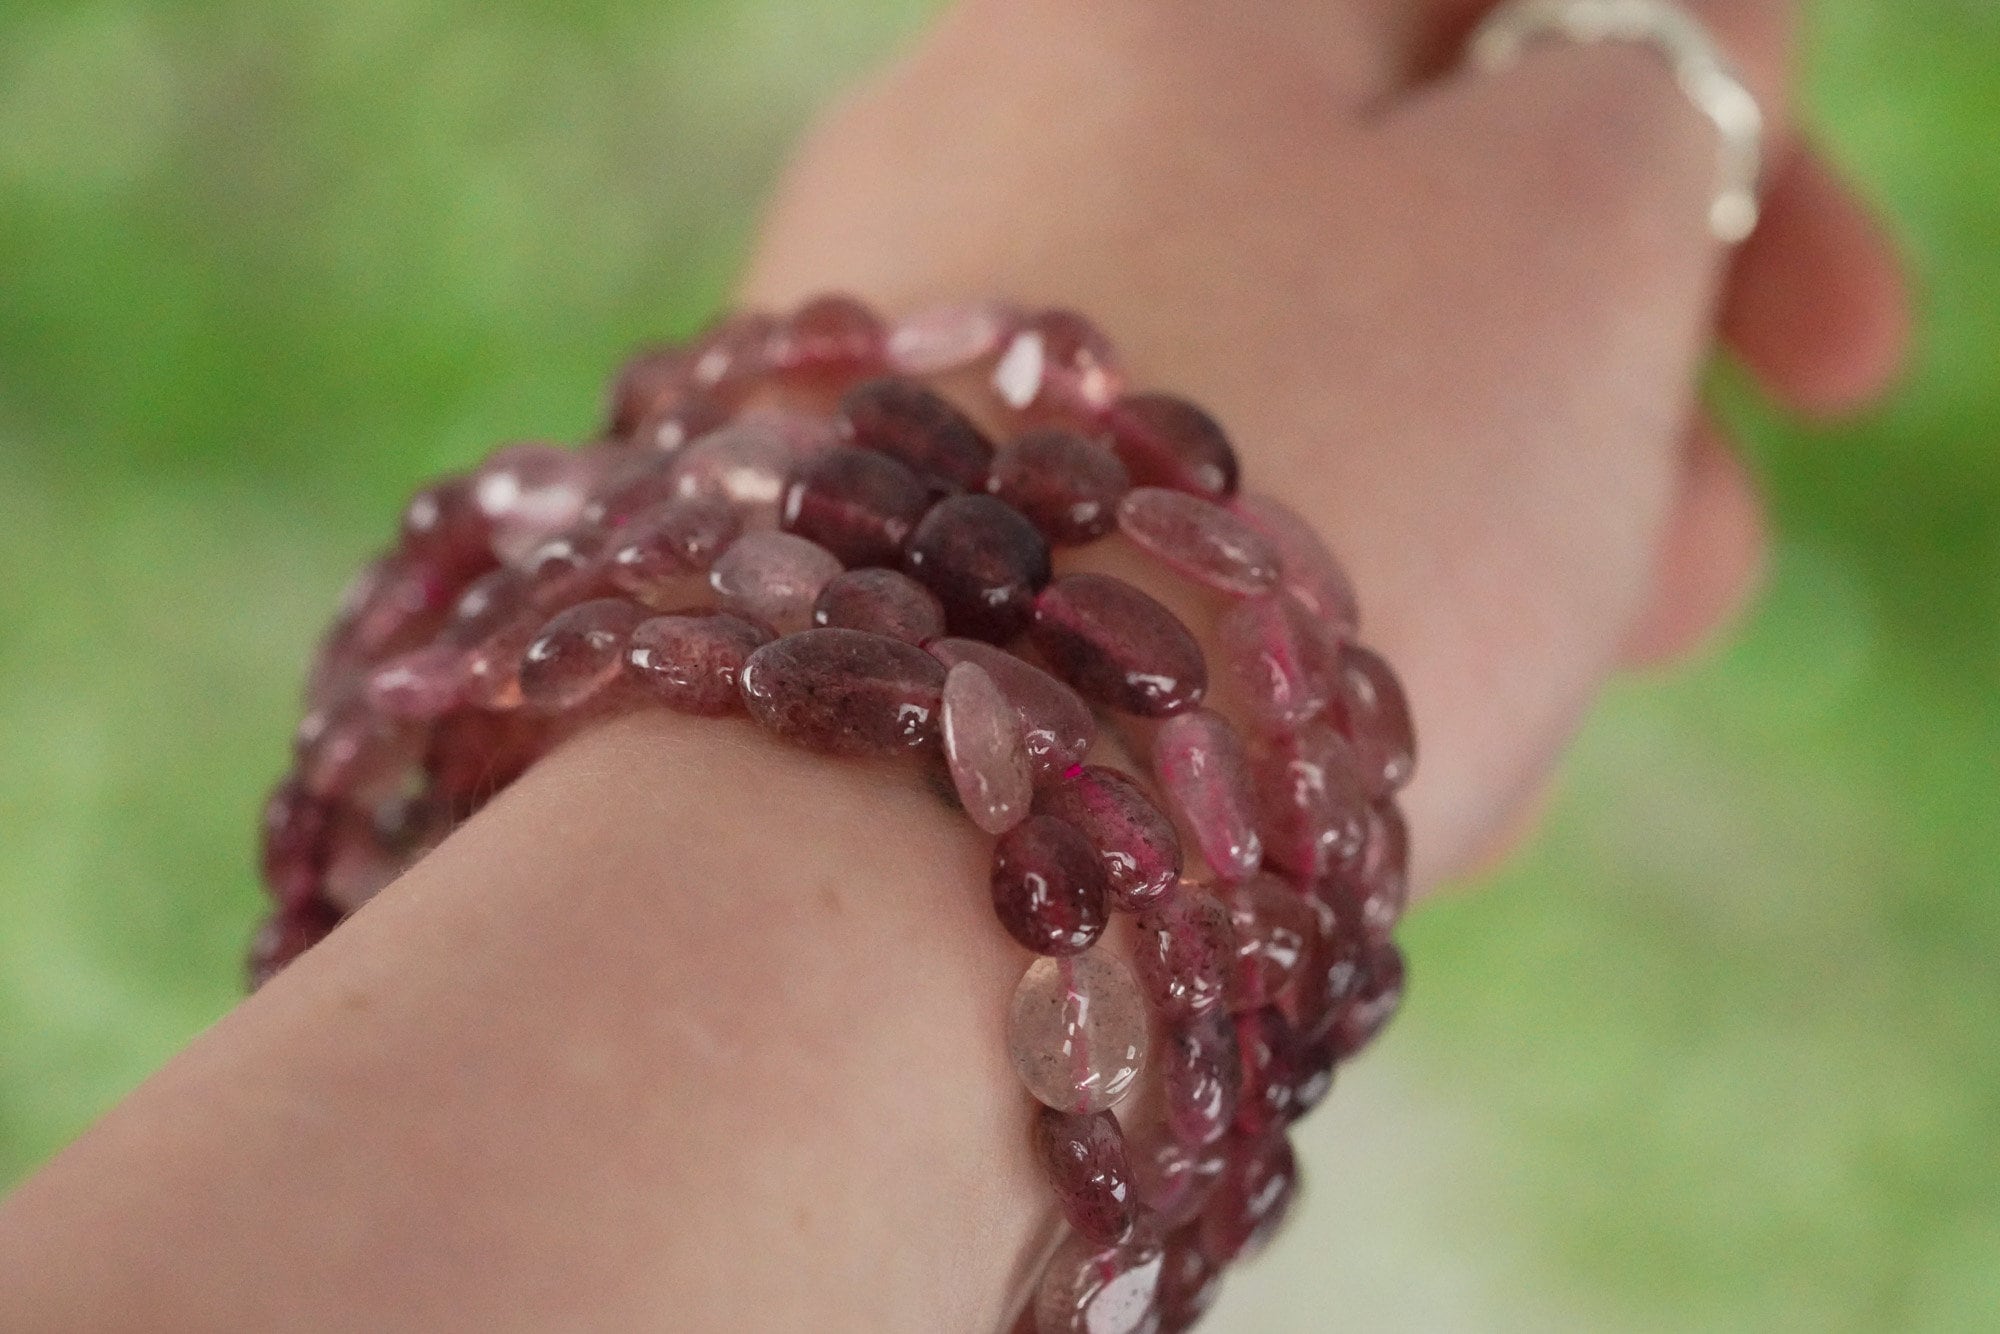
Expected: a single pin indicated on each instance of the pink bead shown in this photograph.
(744, 465)
(1118, 646)
(1047, 889)
(1306, 569)
(655, 555)
(691, 663)
(1056, 724)
(1371, 712)
(361, 865)
(1135, 841)
(734, 351)
(297, 838)
(985, 563)
(1276, 934)
(1077, 1031)
(1087, 1288)
(577, 654)
(1281, 662)
(1381, 875)
(1312, 809)
(444, 527)
(1172, 1179)
(882, 602)
(773, 577)
(1265, 1044)
(351, 752)
(487, 604)
(1332, 971)
(1189, 1282)
(529, 493)
(1168, 441)
(473, 755)
(1083, 1158)
(1067, 486)
(652, 381)
(1200, 539)
(1185, 952)
(1199, 761)
(948, 338)
(918, 428)
(1199, 1078)
(667, 431)
(1377, 996)
(419, 685)
(288, 933)
(860, 505)
(493, 666)
(830, 336)
(1250, 1205)
(845, 692)
(1056, 363)
(637, 480)
(986, 752)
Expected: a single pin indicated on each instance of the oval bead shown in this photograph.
(1306, 569)
(744, 465)
(1186, 946)
(444, 527)
(691, 663)
(1065, 485)
(1076, 1031)
(1371, 712)
(882, 602)
(1251, 1203)
(1311, 806)
(1057, 363)
(1313, 1063)
(860, 505)
(985, 563)
(1200, 539)
(773, 577)
(660, 549)
(420, 685)
(1118, 646)
(1378, 994)
(1172, 1179)
(1088, 1288)
(530, 492)
(1200, 763)
(1264, 1047)
(949, 338)
(829, 336)
(577, 654)
(1168, 441)
(1381, 875)
(1047, 889)
(919, 428)
(1280, 661)
(1189, 1282)
(1200, 1078)
(653, 380)
(734, 351)
(984, 749)
(1333, 967)
(845, 692)
(1135, 841)
(297, 837)
(634, 482)
(352, 753)
(1056, 724)
(1083, 1158)
(1276, 935)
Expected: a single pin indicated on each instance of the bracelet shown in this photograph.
(805, 520)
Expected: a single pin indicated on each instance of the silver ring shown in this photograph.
(1697, 64)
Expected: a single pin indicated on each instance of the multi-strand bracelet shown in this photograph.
(806, 520)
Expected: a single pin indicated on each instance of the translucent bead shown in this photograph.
(661, 549)
(1306, 569)
(1056, 724)
(472, 755)
(985, 750)
(1279, 660)
(1332, 970)
(1380, 877)
(577, 654)
(286, 935)
(744, 465)
(296, 840)
(668, 431)
(361, 864)
(1118, 646)
(637, 481)
(1056, 363)
(487, 604)
(1088, 1288)
(528, 493)
(1378, 994)
(1371, 712)
(949, 338)
(1265, 1044)
(1311, 807)
(985, 563)
(845, 692)
(1168, 441)
(1135, 841)
(351, 752)
(1200, 539)
(1172, 1179)
(1250, 1205)
(882, 602)
(1200, 763)
(1067, 486)
(493, 666)
(1047, 889)
(444, 526)
(920, 429)
(734, 351)
(1185, 950)
(860, 505)
(830, 336)
(1083, 1158)
(1189, 1282)
(1276, 934)
(691, 663)
(1313, 1063)
(652, 381)
(1077, 1031)
(1200, 1078)
(419, 685)
(773, 577)
(395, 603)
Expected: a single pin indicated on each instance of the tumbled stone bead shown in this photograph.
(1200, 763)
(286, 935)
(419, 685)
(296, 841)
(472, 755)
(493, 666)
(882, 602)
(949, 338)
(985, 563)
(1251, 1203)
(860, 505)
(1200, 539)
(1276, 933)
(1185, 948)
(1173, 1179)
(1057, 363)
(1067, 486)
(1382, 877)
(1083, 1158)
(691, 662)
(744, 464)
(832, 335)
(530, 492)
(396, 602)
(1200, 1078)
(1056, 724)
(577, 654)
(920, 429)
(1377, 996)
(1076, 1031)
(1118, 646)
(1135, 841)
(638, 481)
(667, 431)
(1280, 661)
(734, 351)
(1312, 1066)
(1306, 569)
(1089, 1288)
(1168, 441)
(444, 525)
(846, 692)
(1048, 890)
(654, 556)
(487, 604)
(351, 751)
(1189, 1282)
(984, 748)
(1311, 807)
(1371, 712)
(1265, 1043)
(773, 577)
(1332, 968)
(652, 380)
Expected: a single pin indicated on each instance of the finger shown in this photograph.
(1816, 305)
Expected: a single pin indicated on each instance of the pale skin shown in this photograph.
(690, 1031)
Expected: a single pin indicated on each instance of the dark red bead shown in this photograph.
(1377, 997)
(473, 755)
(488, 603)
(1277, 933)
(1333, 965)
(1118, 646)
(1086, 1288)
(832, 335)
(1067, 486)
(641, 480)
(1252, 1200)
(1048, 889)
(1186, 947)
(444, 526)
(734, 351)
(692, 662)
(654, 380)
(286, 935)
(985, 563)
(1200, 1078)
(351, 750)
(1312, 809)
(882, 602)
(419, 685)
(1312, 1075)
(860, 505)
(1189, 1282)
(1380, 874)
(1084, 1160)
(923, 430)
(1168, 441)
(1057, 365)
(577, 654)
(1264, 1046)
(297, 836)
(846, 692)
(1371, 712)
(1135, 841)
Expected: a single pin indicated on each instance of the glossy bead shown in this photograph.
(1189, 1282)
(472, 755)
(395, 603)
(1200, 539)
(1088, 1288)
(860, 505)
(528, 493)
(1265, 1043)
(845, 692)
(1083, 1158)
(1200, 1078)
(882, 602)
(1372, 713)
(637, 481)
(1276, 934)
(1200, 763)
(1076, 1031)
(419, 685)
(1067, 486)
(949, 338)
(443, 525)
(487, 604)
(577, 654)
(1332, 970)
(1313, 1063)
(668, 431)
(1118, 646)
(1306, 569)
(351, 751)
(1047, 888)
(652, 381)
(1381, 876)
(1185, 951)
(1173, 1179)
(1168, 441)
(493, 666)
(985, 563)
(1056, 363)
(1311, 807)
(691, 663)
(833, 335)
(286, 935)
(1056, 724)
(1280, 661)
(744, 465)
(920, 429)
(985, 751)
(1252, 1201)
(1377, 996)
(661, 549)
(734, 351)
(296, 840)
(1135, 841)
(773, 577)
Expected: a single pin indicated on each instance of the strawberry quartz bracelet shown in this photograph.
(806, 520)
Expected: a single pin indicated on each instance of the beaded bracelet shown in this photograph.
(805, 519)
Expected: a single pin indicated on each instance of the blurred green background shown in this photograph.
(1719, 1053)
